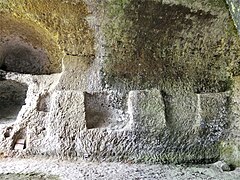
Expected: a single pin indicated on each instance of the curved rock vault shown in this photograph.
(120, 80)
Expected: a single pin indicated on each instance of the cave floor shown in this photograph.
(53, 169)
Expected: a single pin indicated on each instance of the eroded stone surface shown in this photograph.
(25, 48)
(234, 6)
(230, 147)
(140, 81)
(80, 170)
(147, 111)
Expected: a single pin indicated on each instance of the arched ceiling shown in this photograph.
(44, 31)
(26, 48)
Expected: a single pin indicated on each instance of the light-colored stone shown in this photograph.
(80, 73)
(65, 120)
(129, 72)
(146, 110)
(20, 144)
(213, 112)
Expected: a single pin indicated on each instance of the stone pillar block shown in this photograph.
(213, 111)
(230, 147)
(66, 119)
(212, 106)
(147, 111)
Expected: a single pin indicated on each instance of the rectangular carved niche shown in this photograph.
(103, 110)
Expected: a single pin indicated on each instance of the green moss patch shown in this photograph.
(150, 43)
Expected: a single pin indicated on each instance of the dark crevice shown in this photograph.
(12, 98)
(168, 110)
(44, 102)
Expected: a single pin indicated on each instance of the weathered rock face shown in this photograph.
(158, 43)
(27, 49)
(235, 12)
(130, 80)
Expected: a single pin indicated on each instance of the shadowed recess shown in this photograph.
(12, 97)
(27, 48)
(65, 20)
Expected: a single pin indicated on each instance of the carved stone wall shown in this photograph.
(118, 80)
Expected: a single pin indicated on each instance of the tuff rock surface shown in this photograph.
(120, 80)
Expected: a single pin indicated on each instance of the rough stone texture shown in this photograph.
(147, 111)
(66, 118)
(80, 74)
(139, 81)
(65, 22)
(29, 116)
(234, 6)
(21, 57)
(230, 150)
(29, 176)
(214, 119)
(27, 48)
(80, 170)
(152, 43)
(103, 110)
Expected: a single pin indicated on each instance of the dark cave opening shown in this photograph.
(19, 56)
(12, 98)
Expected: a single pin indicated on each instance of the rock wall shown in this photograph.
(139, 81)
(235, 12)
